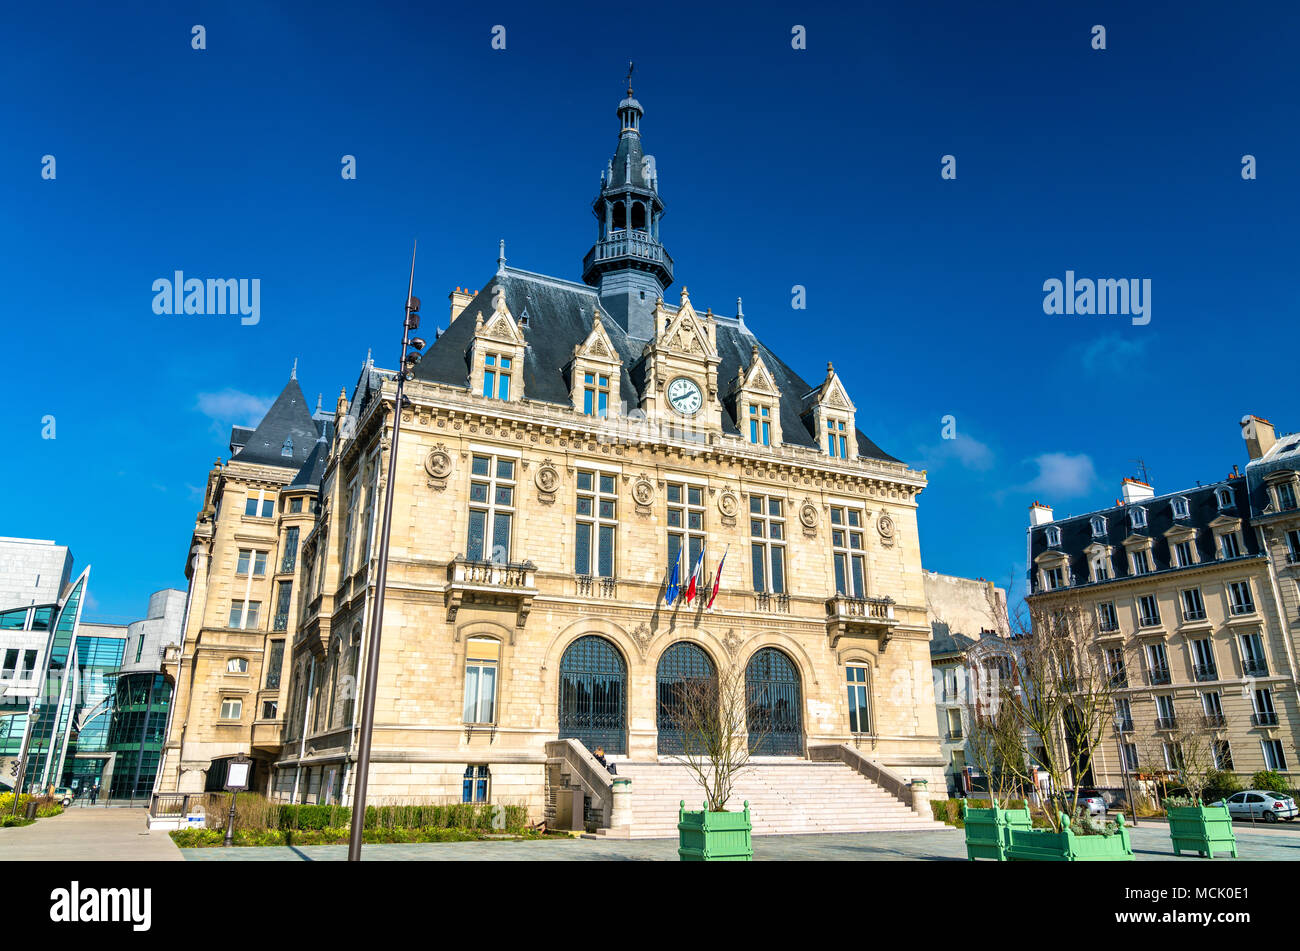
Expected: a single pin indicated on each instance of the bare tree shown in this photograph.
(722, 728)
(1184, 753)
(1064, 699)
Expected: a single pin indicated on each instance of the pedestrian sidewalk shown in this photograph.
(89, 835)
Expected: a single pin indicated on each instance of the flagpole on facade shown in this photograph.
(405, 366)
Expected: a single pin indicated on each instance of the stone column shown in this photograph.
(620, 812)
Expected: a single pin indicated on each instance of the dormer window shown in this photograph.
(1230, 545)
(1181, 508)
(836, 441)
(496, 376)
(1286, 499)
(760, 425)
(1053, 537)
(1141, 563)
(1225, 498)
(1098, 526)
(595, 394)
(287, 448)
(1137, 517)
(1100, 569)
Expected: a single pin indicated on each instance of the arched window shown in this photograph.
(638, 216)
(237, 665)
(685, 677)
(593, 694)
(1181, 508)
(1098, 526)
(1053, 537)
(350, 685)
(333, 675)
(1225, 498)
(1137, 517)
(774, 707)
(620, 216)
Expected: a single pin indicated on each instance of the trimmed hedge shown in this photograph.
(454, 816)
(329, 835)
(948, 811)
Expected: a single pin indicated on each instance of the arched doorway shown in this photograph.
(593, 694)
(683, 666)
(775, 704)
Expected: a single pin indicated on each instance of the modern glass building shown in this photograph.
(141, 704)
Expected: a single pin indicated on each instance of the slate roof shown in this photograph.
(1203, 508)
(559, 317)
(944, 642)
(287, 418)
(1284, 454)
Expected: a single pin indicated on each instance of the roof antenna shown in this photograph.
(1142, 468)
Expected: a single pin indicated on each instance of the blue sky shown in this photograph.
(817, 167)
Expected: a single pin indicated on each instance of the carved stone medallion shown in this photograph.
(729, 506)
(643, 494)
(885, 525)
(547, 481)
(808, 517)
(438, 464)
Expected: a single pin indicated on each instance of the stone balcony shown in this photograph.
(489, 582)
(869, 616)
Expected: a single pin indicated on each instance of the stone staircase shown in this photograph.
(785, 798)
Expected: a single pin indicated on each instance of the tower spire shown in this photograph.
(628, 264)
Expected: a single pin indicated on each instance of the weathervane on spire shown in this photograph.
(630, 67)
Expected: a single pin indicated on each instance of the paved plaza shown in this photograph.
(122, 835)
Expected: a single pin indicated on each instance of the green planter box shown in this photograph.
(987, 830)
(1043, 845)
(1203, 829)
(713, 836)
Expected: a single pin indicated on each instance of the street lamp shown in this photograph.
(406, 366)
(237, 771)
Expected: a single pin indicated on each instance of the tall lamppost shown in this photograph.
(410, 357)
(237, 771)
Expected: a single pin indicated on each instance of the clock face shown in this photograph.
(684, 396)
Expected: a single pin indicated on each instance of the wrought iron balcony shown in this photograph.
(1214, 721)
(1254, 668)
(1124, 724)
(1150, 620)
(846, 615)
(639, 246)
(593, 586)
(1205, 672)
(955, 734)
(1166, 723)
(1247, 607)
(490, 582)
(1293, 558)
(1268, 718)
(281, 622)
(1198, 615)
(767, 601)
(1119, 679)
(1158, 675)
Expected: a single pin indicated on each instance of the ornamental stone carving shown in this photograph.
(729, 506)
(885, 526)
(643, 492)
(547, 481)
(808, 517)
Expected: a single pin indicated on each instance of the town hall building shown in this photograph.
(564, 444)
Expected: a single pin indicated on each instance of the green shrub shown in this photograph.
(7, 821)
(1269, 780)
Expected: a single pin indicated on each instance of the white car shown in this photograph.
(1256, 803)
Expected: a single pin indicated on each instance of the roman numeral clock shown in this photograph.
(684, 396)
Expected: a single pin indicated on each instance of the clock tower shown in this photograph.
(681, 369)
(628, 265)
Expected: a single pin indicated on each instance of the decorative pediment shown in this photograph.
(1050, 559)
(1225, 523)
(832, 394)
(1179, 532)
(500, 325)
(687, 332)
(1097, 549)
(597, 346)
(756, 379)
(1137, 542)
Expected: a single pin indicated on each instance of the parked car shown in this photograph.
(64, 795)
(1091, 803)
(1256, 803)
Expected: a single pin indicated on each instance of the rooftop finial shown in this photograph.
(293, 374)
(630, 67)
(318, 399)
(370, 358)
(501, 257)
(740, 307)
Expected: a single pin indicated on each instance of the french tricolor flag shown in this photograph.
(717, 580)
(695, 576)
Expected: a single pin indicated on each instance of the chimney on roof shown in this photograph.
(1039, 514)
(1259, 435)
(1135, 490)
(459, 301)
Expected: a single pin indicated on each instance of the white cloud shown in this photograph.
(1062, 475)
(1113, 353)
(232, 407)
(966, 451)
